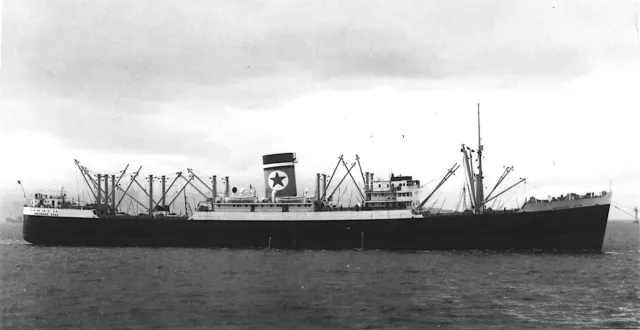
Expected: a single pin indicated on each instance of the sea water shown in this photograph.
(201, 288)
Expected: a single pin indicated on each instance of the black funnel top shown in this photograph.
(278, 158)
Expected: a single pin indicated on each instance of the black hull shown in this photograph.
(569, 229)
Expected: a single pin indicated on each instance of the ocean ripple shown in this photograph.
(169, 288)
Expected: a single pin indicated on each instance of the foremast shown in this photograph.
(475, 181)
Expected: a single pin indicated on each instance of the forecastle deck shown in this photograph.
(567, 204)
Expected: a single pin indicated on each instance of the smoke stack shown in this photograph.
(280, 174)
(215, 187)
(366, 181)
(371, 182)
(226, 188)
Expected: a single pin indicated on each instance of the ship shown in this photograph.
(390, 214)
(11, 219)
(17, 219)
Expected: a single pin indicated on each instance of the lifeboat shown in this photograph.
(240, 199)
(290, 199)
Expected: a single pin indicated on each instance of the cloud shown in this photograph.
(138, 75)
(158, 51)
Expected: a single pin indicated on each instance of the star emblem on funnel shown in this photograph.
(278, 180)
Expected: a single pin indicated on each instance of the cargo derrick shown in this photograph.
(105, 199)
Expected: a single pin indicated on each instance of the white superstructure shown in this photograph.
(397, 192)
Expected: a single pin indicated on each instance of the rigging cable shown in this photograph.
(459, 199)
(508, 199)
(620, 204)
(78, 188)
(536, 187)
(464, 199)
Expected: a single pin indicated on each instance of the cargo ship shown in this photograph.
(11, 219)
(17, 219)
(390, 214)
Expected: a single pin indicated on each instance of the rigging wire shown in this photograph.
(494, 202)
(625, 212)
(508, 199)
(536, 187)
(625, 206)
(460, 196)
(464, 199)
(78, 187)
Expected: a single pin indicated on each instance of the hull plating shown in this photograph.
(571, 229)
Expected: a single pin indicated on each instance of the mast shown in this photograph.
(98, 198)
(185, 203)
(106, 192)
(164, 194)
(151, 195)
(215, 191)
(479, 185)
(471, 176)
(113, 187)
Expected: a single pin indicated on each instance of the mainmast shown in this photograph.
(185, 203)
(479, 186)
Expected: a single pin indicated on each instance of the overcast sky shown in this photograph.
(213, 85)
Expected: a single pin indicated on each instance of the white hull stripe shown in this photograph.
(251, 216)
(278, 165)
(305, 216)
(53, 212)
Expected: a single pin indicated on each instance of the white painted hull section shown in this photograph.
(306, 216)
(53, 212)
